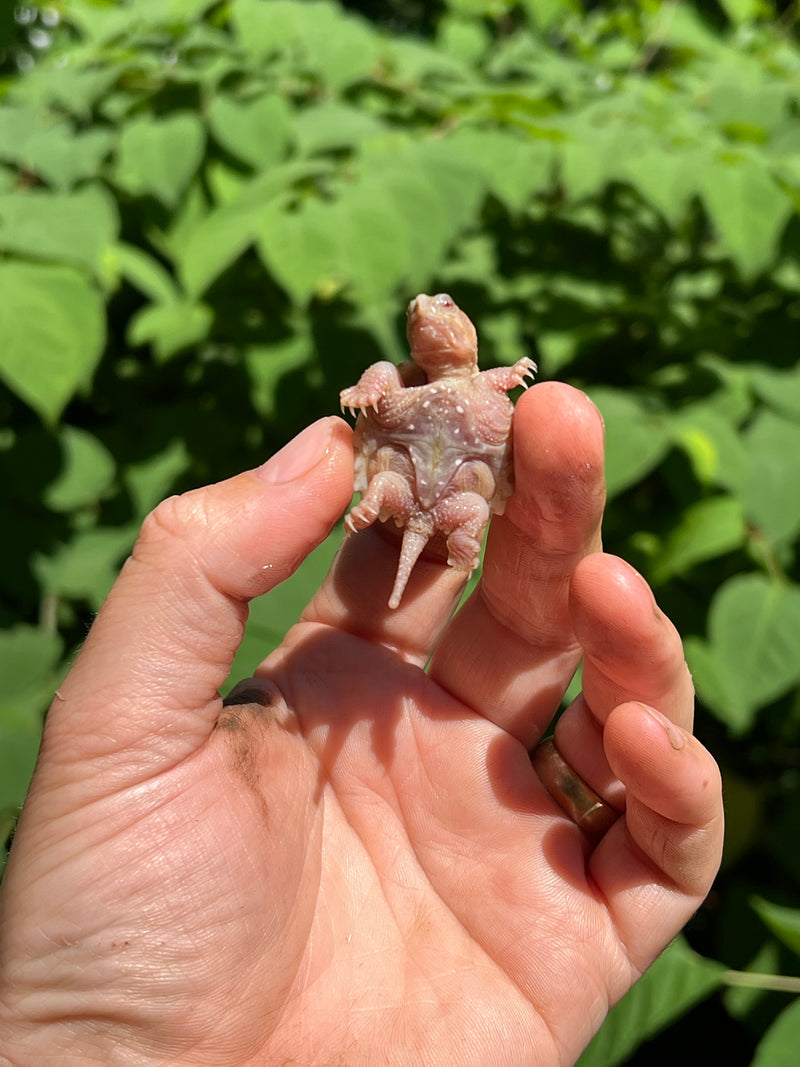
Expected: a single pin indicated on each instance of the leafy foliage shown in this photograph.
(211, 217)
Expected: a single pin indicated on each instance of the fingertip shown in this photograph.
(559, 486)
(602, 578)
(664, 766)
(557, 427)
(327, 438)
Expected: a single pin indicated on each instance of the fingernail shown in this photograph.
(299, 455)
(676, 736)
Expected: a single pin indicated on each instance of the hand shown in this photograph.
(353, 861)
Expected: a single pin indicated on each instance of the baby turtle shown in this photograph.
(433, 438)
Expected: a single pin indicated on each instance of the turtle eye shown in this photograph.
(445, 301)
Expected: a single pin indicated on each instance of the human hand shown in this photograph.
(354, 860)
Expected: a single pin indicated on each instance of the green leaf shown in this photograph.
(459, 178)
(420, 189)
(375, 250)
(739, 11)
(770, 493)
(209, 244)
(339, 47)
(664, 177)
(267, 364)
(636, 439)
(151, 479)
(748, 210)
(778, 1047)
(145, 272)
(159, 156)
(714, 446)
(28, 658)
(64, 157)
(332, 125)
(54, 151)
(255, 131)
(779, 388)
(52, 325)
(104, 23)
(752, 655)
(743, 102)
(215, 243)
(87, 471)
(77, 228)
(677, 980)
(86, 567)
(514, 168)
(707, 529)
(782, 921)
(546, 13)
(599, 148)
(17, 759)
(302, 249)
(685, 28)
(74, 85)
(170, 327)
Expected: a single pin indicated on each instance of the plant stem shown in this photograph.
(781, 983)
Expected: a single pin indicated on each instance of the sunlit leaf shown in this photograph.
(707, 529)
(28, 656)
(55, 151)
(515, 168)
(256, 131)
(150, 480)
(752, 655)
(770, 492)
(77, 228)
(341, 49)
(783, 922)
(52, 326)
(87, 566)
(748, 210)
(636, 439)
(740, 10)
(159, 156)
(210, 243)
(715, 448)
(333, 125)
(170, 327)
(146, 273)
(302, 249)
(87, 471)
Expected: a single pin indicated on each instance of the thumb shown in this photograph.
(146, 681)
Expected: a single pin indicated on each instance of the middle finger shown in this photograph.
(510, 652)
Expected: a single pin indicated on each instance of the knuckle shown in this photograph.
(170, 523)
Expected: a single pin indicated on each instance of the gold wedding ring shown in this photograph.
(588, 811)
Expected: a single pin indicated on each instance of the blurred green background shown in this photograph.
(212, 215)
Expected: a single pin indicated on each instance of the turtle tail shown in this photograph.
(413, 544)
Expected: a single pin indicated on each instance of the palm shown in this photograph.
(358, 862)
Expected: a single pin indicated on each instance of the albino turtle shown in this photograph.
(433, 438)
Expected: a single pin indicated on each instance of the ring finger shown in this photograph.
(632, 652)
